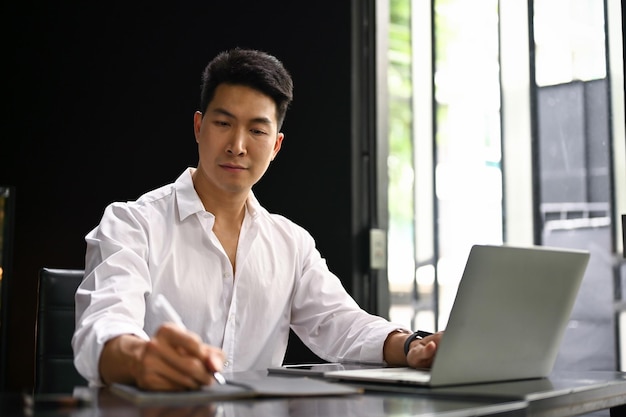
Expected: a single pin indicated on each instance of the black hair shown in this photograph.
(251, 68)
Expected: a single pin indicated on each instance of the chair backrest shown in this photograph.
(54, 358)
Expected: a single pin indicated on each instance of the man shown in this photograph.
(238, 276)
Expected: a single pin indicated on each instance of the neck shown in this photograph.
(228, 207)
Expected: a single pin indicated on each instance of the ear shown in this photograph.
(197, 124)
(278, 144)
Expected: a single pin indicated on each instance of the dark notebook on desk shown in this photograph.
(509, 316)
(238, 386)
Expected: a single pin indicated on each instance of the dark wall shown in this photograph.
(99, 100)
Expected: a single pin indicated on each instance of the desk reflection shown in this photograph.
(373, 404)
(109, 405)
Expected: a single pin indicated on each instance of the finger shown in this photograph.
(182, 355)
(189, 345)
(186, 343)
(214, 363)
(190, 366)
(181, 338)
(213, 358)
(422, 354)
(157, 373)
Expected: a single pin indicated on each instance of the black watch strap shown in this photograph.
(418, 335)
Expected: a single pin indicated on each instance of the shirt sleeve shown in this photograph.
(111, 299)
(328, 320)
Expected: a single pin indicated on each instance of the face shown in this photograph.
(237, 139)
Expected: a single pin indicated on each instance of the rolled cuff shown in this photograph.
(372, 349)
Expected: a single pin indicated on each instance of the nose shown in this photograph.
(237, 143)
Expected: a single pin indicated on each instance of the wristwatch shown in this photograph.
(418, 335)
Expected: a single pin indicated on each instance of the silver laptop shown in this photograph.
(509, 316)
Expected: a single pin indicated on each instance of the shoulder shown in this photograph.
(164, 199)
(156, 197)
(150, 201)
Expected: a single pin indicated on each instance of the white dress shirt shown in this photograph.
(163, 243)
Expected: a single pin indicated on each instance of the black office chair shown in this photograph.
(54, 358)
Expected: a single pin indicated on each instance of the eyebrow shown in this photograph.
(224, 112)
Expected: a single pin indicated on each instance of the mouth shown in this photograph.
(232, 167)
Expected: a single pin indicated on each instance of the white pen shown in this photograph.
(161, 303)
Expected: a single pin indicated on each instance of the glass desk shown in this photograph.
(563, 394)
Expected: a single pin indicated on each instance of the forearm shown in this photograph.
(119, 359)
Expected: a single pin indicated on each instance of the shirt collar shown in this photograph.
(189, 202)
(186, 197)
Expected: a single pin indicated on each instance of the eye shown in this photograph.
(258, 132)
(221, 123)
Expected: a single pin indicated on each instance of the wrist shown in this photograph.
(418, 335)
(392, 349)
(120, 359)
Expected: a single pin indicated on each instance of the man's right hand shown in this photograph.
(173, 360)
(422, 351)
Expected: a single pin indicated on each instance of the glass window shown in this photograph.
(467, 175)
(469, 116)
